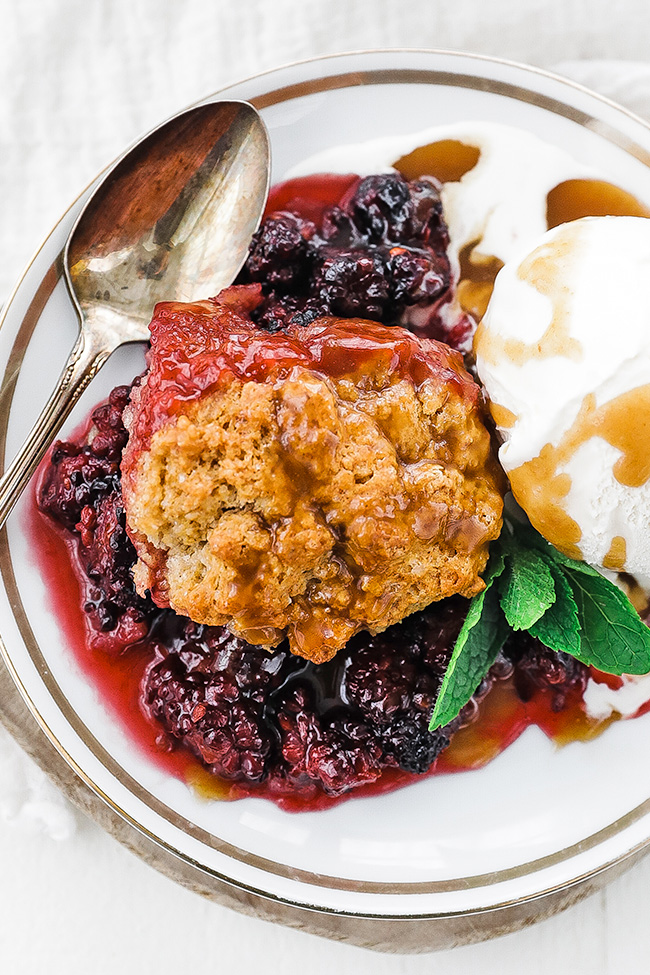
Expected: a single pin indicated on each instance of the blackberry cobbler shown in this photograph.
(312, 661)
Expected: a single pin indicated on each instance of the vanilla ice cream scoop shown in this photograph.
(564, 354)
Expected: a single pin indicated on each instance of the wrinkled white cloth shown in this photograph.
(80, 81)
(27, 797)
(625, 82)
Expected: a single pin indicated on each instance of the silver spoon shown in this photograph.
(171, 220)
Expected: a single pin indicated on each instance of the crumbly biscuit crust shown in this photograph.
(312, 506)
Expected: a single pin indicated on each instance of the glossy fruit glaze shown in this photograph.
(198, 346)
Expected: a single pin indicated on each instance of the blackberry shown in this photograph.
(427, 221)
(279, 252)
(208, 694)
(414, 747)
(250, 714)
(280, 311)
(110, 436)
(387, 209)
(338, 752)
(536, 667)
(393, 680)
(352, 284)
(415, 276)
(380, 251)
(80, 475)
(81, 490)
(382, 209)
(108, 557)
(75, 479)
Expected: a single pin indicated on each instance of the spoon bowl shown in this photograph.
(171, 220)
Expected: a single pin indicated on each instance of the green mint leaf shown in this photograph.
(573, 564)
(613, 637)
(559, 627)
(495, 567)
(533, 539)
(479, 641)
(566, 604)
(527, 587)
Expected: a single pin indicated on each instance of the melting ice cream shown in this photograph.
(564, 354)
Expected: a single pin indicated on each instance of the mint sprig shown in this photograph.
(479, 641)
(527, 587)
(568, 605)
(559, 627)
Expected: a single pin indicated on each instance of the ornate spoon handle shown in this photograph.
(89, 354)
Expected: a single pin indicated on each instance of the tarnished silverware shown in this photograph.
(171, 220)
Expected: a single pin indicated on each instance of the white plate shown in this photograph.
(538, 819)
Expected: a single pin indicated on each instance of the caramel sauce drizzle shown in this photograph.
(502, 416)
(635, 593)
(541, 489)
(447, 160)
(557, 339)
(476, 282)
(576, 198)
(615, 558)
(570, 200)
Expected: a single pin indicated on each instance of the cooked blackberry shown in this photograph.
(108, 556)
(81, 490)
(279, 311)
(352, 283)
(337, 752)
(415, 276)
(80, 475)
(380, 251)
(279, 255)
(387, 209)
(75, 479)
(537, 667)
(249, 714)
(209, 692)
(394, 678)
(414, 747)
(382, 209)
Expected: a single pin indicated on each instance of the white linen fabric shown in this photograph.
(79, 81)
(28, 799)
